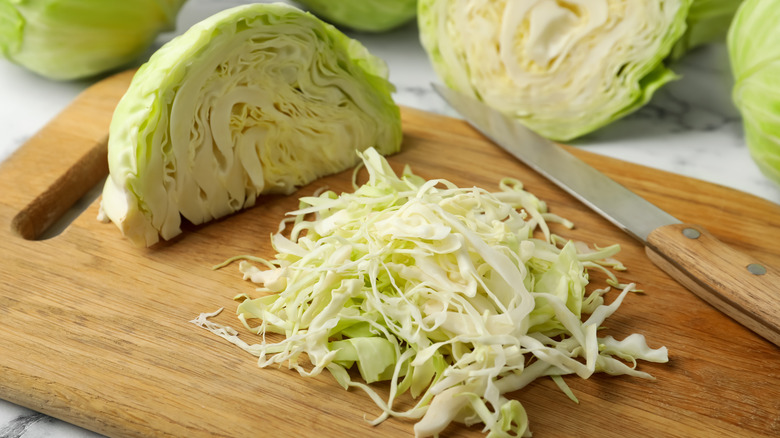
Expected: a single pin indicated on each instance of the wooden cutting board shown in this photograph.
(96, 331)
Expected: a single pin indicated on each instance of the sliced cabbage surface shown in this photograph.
(364, 15)
(563, 68)
(256, 99)
(73, 39)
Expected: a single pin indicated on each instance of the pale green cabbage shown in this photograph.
(563, 69)
(364, 15)
(458, 296)
(754, 51)
(72, 39)
(708, 21)
(256, 99)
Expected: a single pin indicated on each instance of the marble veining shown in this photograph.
(18, 427)
(690, 127)
(19, 422)
(668, 107)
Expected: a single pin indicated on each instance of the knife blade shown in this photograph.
(731, 281)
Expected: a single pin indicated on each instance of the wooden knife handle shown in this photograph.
(733, 282)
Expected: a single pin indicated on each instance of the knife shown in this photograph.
(733, 282)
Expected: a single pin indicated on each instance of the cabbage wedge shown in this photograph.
(75, 39)
(256, 99)
(563, 69)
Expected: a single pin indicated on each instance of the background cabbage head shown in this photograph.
(562, 68)
(708, 21)
(364, 15)
(754, 51)
(256, 99)
(72, 39)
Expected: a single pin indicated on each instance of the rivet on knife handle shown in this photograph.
(731, 281)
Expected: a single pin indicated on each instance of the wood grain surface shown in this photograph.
(96, 331)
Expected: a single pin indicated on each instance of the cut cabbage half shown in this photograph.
(563, 68)
(256, 99)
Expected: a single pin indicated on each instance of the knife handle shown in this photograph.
(733, 282)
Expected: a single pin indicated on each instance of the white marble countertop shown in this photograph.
(690, 127)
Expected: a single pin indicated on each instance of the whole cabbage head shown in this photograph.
(256, 99)
(74, 39)
(364, 15)
(754, 52)
(708, 21)
(563, 68)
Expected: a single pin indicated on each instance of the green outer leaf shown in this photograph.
(11, 29)
(754, 53)
(73, 39)
(364, 15)
(616, 86)
(281, 66)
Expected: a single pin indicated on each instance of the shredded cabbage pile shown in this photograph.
(457, 296)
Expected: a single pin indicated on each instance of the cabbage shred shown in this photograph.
(457, 296)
